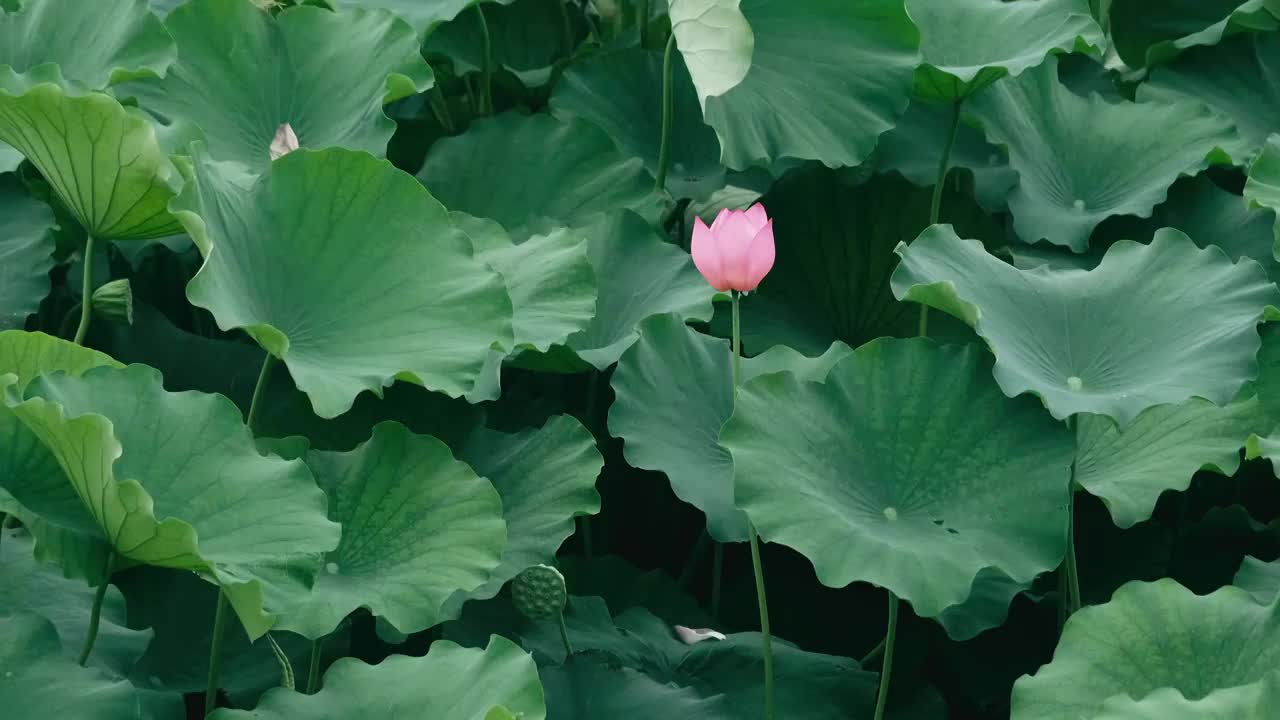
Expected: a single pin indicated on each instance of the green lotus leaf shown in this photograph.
(674, 390)
(1160, 451)
(417, 526)
(162, 478)
(1210, 215)
(969, 44)
(449, 682)
(912, 148)
(101, 159)
(26, 252)
(917, 494)
(986, 607)
(36, 587)
(1149, 638)
(421, 308)
(1262, 189)
(37, 679)
(1251, 702)
(1263, 447)
(94, 44)
(622, 585)
(825, 78)
(585, 688)
(423, 16)
(1259, 579)
(516, 169)
(1150, 32)
(1239, 78)
(526, 37)
(547, 478)
(1069, 152)
(621, 92)
(326, 74)
(1086, 341)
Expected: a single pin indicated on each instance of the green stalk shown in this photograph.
(642, 19)
(486, 67)
(95, 615)
(86, 292)
(286, 667)
(440, 109)
(770, 709)
(566, 30)
(215, 653)
(564, 636)
(1073, 599)
(313, 673)
(886, 668)
(935, 207)
(668, 102)
(267, 364)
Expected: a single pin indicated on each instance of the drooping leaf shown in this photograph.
(674, 390)
(326, 74)
(32, 586)
(621, 92)
(1210, 215)
(1259, 579)
(516, 169)
(37, 679)
(986, 607)
(1153, 324)
(417, 526)
(526, 37)
(100, 158)
(969, 44)
(162, 478)
(26, 252)
(414, 305)
(1150, 32)
(917, 493)
(449, 682)
(1149, 638)
(1074, 154)
(825, 77)
(1263, 186)
(547, 478)
(1239, 78)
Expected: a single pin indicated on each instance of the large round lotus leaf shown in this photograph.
(1071, 152)
(1152, 324)
(1259, 579)
(1210, 215)
(1152, 637)
(914, 492)
(1239, 78)
(101, 159)
(516, 169)
(1149, 32)
(674, 390)
(969, 44)
(525, 37)
(326, 74)
(986, 607)
(547, 478)
(1160, 451)
(621, 91)
(423, 15)
(32, 586)
(823, 80)
(94, 44)
(164, 478)
(1251, 702)
(1263, 186)
(417, 526)
(414, 304)
(586, 688)
(37, 679)
(26, 252)
(449, 682)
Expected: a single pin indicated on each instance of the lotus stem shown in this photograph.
(486, 67)
(313, 673)
(86, 292)
(642, 20)
(286, 667)
(95, 614)
(668, 101)
(935, 206)
(766, 637)
(259, 389)
(886, 668)
(566, 29)
(215, 653)
(1073, 601)
(564, 636)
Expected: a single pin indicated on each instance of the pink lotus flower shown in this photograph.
(736, 252)
(284, 142)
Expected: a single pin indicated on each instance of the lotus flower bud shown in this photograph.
(539, 592)
(114, 301)
(284, 142)
(693, 636)
(736, 252)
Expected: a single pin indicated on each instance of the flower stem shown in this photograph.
(286, 667)
(766, 637)
(642, 20)
(215, 653)
(86, 292)
(886, 668)
(564, 636)
(313, 673)
(668, 101)
(95, 615)
(263, 375)
(1073, 600)
(486, 67)
(935, 207)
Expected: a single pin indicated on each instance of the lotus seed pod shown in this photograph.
(539, 592)
(114, 301)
